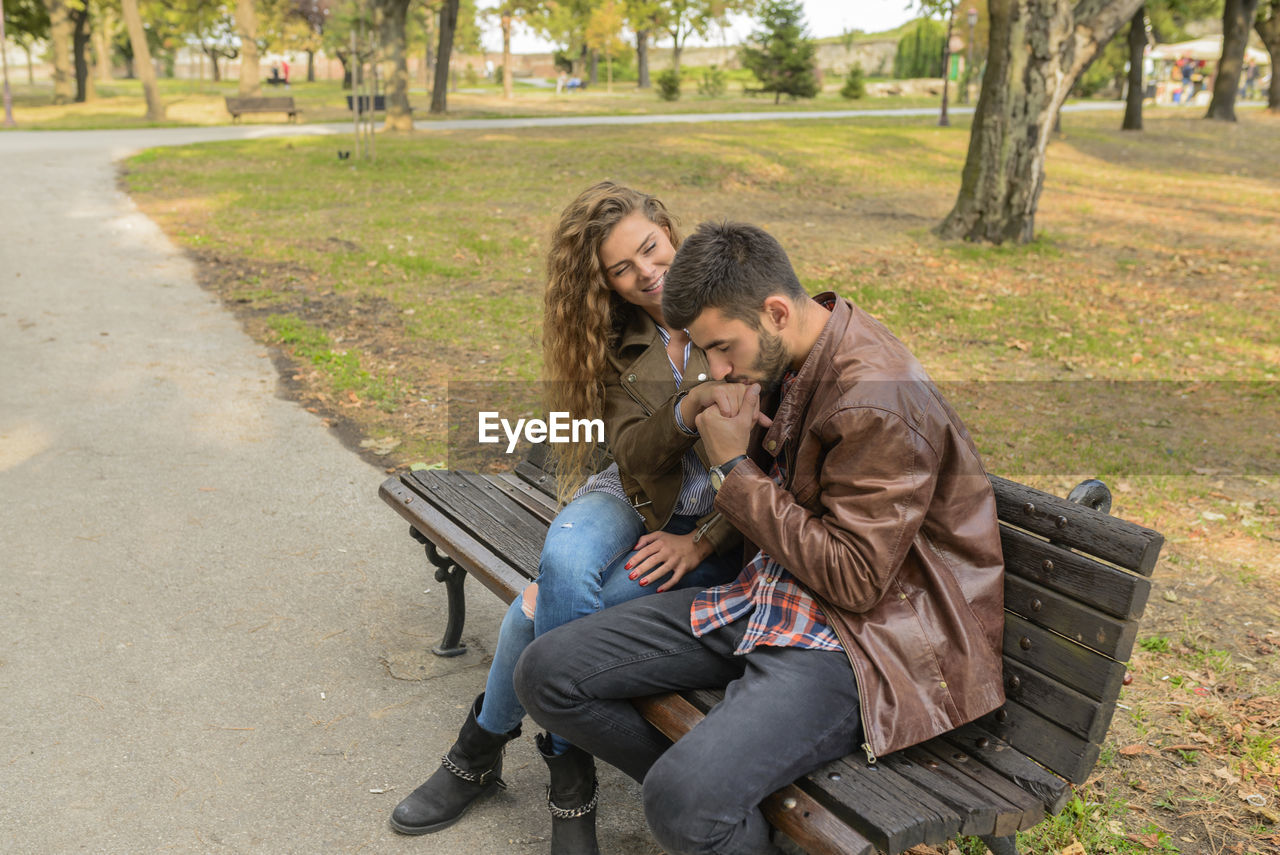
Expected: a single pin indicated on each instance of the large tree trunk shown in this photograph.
(642, 59)
(507, 86)
(394, 13)
(943, 119)
(213, 62)
(142, 59)
(247, 27)
(60, 34)
(79, 18)
(311, 66)
(593, 69)
(448, 24)
(1037, 50)
(1137, 85)
(1269, 31)
(1237, 18)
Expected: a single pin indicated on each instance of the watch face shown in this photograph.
(716, 478)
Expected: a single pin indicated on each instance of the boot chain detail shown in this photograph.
(471, 777)
(578, 812)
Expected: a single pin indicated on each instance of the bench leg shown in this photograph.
(1001, 845)
(452, 576)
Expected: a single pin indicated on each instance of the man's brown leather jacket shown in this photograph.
(888, 518)
(641, 429)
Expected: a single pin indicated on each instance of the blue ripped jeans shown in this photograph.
(581, 571)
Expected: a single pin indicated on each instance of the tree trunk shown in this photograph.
(1137, 85)
(399, 118)
(247, 27)
(642, 58)
(142, 59)
(80, 52)
(60, 36)
(213, 61)
(448, 24)
(31, 69)
(102, 42)
(311, 66)
(507, 88)
(1269, 31)
(943, 119)
(1237, 19)
(593, 69)
(1037, 50)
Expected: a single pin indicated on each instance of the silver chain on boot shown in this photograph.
(472, 777)
(578, 812)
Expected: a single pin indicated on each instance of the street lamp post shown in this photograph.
(4, 59)
(972, 16)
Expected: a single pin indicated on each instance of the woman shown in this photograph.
(643, 524)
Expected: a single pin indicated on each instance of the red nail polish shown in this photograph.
(644, 582)
(633, 576)
(628, 567)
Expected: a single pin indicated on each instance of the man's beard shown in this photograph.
(771, 363)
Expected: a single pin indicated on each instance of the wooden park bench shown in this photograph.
(263, 104)
(1076, 585)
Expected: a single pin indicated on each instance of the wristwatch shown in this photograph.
(721, 471)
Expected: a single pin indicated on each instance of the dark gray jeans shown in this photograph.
(786, 711)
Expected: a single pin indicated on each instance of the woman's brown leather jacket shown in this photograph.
(641, 429)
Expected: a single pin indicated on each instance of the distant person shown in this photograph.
(1250, 80)
(284, 67)
(575, 83)
(275, 77)
(1187, 68)
(561, 79)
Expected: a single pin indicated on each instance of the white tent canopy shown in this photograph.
(1208, 48)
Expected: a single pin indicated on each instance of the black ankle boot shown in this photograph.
(471, 769)
(572, 798)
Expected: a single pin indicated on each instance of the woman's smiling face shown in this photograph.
(635, 257)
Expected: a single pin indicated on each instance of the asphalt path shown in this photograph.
(213, 635)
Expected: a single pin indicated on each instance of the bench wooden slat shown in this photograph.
(1119, 542)
(1067, 617)
(978, 814)
(536, 478)
(1058, 749)
(534, 501)
(1087, 672)
(474, 557)
(510, 532)
(1116, 592)
(1083, 716)
(1052, 791)
(1015, 807)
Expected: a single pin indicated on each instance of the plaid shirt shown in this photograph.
(783, 613)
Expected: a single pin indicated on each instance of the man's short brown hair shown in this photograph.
(728, 266)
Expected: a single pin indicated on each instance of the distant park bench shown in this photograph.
(379, 104)
(262, 104)
(1075, 586)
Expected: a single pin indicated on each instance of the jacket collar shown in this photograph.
(794, 404)
(651, 362)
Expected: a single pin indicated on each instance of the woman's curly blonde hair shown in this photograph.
(582, 315)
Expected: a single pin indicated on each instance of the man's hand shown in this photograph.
(726, 436)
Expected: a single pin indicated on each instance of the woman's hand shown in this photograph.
(660, 553)
(529, 600)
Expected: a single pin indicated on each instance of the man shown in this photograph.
(871, 612)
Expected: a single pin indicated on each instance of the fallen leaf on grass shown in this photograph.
(1148, 841)
(1076, 848)
(1133, 750)
(1227, 775)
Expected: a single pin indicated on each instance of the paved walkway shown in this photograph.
(213, 634)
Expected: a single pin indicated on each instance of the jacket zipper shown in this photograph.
(857, 679)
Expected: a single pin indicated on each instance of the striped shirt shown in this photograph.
(696, 496)
(782, 613)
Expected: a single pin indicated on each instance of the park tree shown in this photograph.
(643, 17)
(448, 26)
(26, 23)
(919, 51)
(1037, 50)
(247, 29)
(392, 16)
(141, 54)
(1136, 41)
(681, 19)
(106, 13)
(60, 41)
(1268, 26)
(604, 34)
(304, 26)
(213, 28)
(1237, 20)
(509, 13)
(780, 54)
